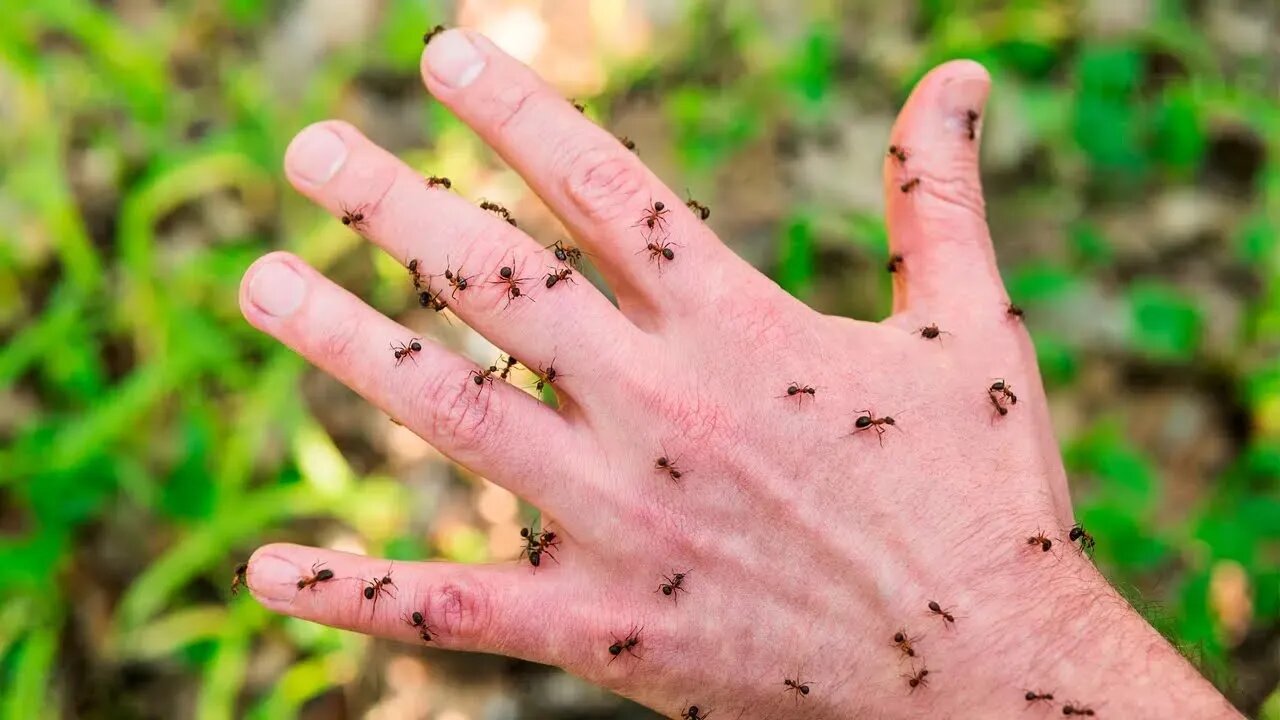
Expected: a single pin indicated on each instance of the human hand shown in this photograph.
(809, 539)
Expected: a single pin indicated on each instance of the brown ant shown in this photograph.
(430, 34)
(654, 216)
(627, 142)
(673, 586)
(947, 618)
(971, 123)
(668, 466)
(693, 713)
(796, 390)
(354, 218)
(403, 351)
(566, 254)
(626, 644)
(702, 211)
(909, 185)
(536, 543)
(1087, 542)
(1000, 409)
(798, 687)
(427, 300)
(1032, 696)
(868, 420)
(895, 263)
(557, 275)
(578, 106)
(458, 281)
(412, 266)
(239, 578)
(1072, 708)
(509, 363)
(547, 375)
(438, 181)
(904, 642)
(318, 575)
(1014, 311)
(506, 276)
(377, 587)
(899, 153)
(929, 332)
(658, 251)
(480, 376)
(917, 679)
(1005, 390)
(419, 623)
(498, 209)
(1040, 539)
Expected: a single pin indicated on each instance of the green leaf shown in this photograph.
(1165, 324)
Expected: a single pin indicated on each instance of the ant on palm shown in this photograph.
(895, 263)
(458, 281)
(1087, 542)
(693, 713)
(796, 390)
(899, 153)
(654, 216)
(438, 181)
(1032, 696)
(556, 276)
(565, 253)
(627, 644)
(1072, 708)
(798, 687)
(430, 34)
(499, 210)
(668, 466)
(354, 218)
(239, 578)
(403, 351)
(909, 185)
(929, 332)
(506, 276)
(702, 211)
(868, 420)
(947, 618)
(419, 623)
(917, 679)
(905, 642)
(673, 585)
(1042, 540)
(318, 575)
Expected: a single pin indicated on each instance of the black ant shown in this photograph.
(668, 466)
(1005, 390)
(626, 644)
(702, 211)
(438, 181)
(458, 281)
(654, 216)
(904, 642)
(318, 575)
(1040, 539)
(509, 363)
(971, 123)
(480, 376)
(947, 618)
(354, 217)
(1000, 408)
(673, 586)
(578, 106)
(929, 332)
(797, 686)
(565, 253)
(1072, 708)
(917, 679)
(506, 276)
(899, 153)
(658, 251)
(496, 208)
(796, 390)
(869, 420)
(627, 142)
(547, 376)
(377, 587)
(557, 275)
(537, 543)
(428, 35)
(693, 713)
(414, 274)
(403, 351)
(1032, 696)
(1087, 542)
(1014, 311)
(239, 578)
(895, 263)
(909, 185)
(427, 300)
(419, 623)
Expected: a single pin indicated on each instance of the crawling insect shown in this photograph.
(917, 679)
(419, 623)
(947, 618)
(702, 211)
(899, 153)
(1042, 540)
(437, 181)
(673, 585)
(627, 142)
(318, 575)
(1014, 311)
(566, 253)
(929, 332)
(239, 578)
(499, 210)
(1087, 543)
(1073, 708)
(905, 642)
(377, 587)
(479, 377)
(693, 713)
(909, 185)
(354, 218)
(1032, 696)
(971, 123)
(659, 251)
(895, 263)
(654, 217)
(403, 351)
(868, 420)
(430, 34)
(798, 687)
(797, 390)
(626, 644)
(556, 276)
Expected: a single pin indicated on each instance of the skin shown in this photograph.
(809, 545)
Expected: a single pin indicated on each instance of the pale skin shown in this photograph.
(809, 542)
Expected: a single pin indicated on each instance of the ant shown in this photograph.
(909, 185)
(904, 642)
(693, 713)
(869, 420)
(354, 217)
(947, 617)
(1087, 542)
(557, 275)
(673, 586)
(654, 216)
(457, 280)
(797, 686)
(318, 575)
(899, 153)
(895, 263)
(660, 250)
(1005, 389)
(403, 351)
(702, 211)
(626, 644)
(669, 466)
(548, 375)
(1032, 696)
(496, 208)
(438, 181)
(971, 123)
(377, 587)
(1072, 708)
(797, 390)
(627, 142)
(578, 106)
(239, 578)
(418, 622)
(1014, 311)
(428, 35)
(427, 300)
(510, 362)
(416, 276)
(566, 254)
(917, 679)
(929, 332)
(480, 376)
(537, 543)
(506, 276)
(1040, 539)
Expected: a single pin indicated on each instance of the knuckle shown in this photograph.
(602, 182)
(463, 612)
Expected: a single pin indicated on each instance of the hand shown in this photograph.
(808, 539)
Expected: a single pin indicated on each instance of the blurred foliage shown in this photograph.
(150, 438)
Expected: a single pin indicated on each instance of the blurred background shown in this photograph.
(150, 439)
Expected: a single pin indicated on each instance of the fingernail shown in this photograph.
(276, 289)
(454, 60)
(961, 96)
(272, 578)
(316, 155)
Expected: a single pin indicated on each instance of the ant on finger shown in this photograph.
(1005, 390)
(659, 251)
(693, 713)
(702, 211)
(796, 390)
(506, 276)
(412, 266)
(354, 218)
(239, 578)
(654, 217)
(557, 275)
(403, 351)
(627, 644)
(917, 678)
(627, 142)
(1087, 542)
(566, 254)
(909, 185)
(947, 618)
(377, 587)
(479, 377)
(430, 34)
(578, 106)
(538, 543)
(895, 263)
(427, 300)
(673, 585)
(1042, 540)
(668, 466)
(971, 123)
(1032, 696)
(1072, 708)
(929, 332)
(868, 420)
(457, 280)
(1014, 311)
(318, 575)
(905, 642)
(419, 623)
(438, 181)
(899, 153)
(499, 210)
(797, 687)
(547, 376)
